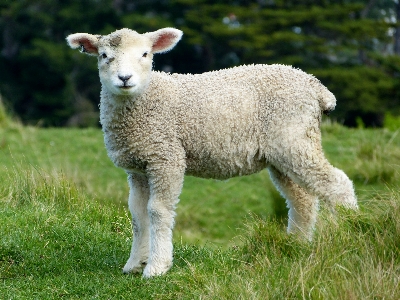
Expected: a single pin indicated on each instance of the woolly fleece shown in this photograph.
(219, 124)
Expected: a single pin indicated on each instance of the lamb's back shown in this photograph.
(225, 116)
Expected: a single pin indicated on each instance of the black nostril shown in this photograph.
(125, 78)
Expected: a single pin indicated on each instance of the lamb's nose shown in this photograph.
(124, 78)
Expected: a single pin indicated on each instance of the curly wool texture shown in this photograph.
(219, 124)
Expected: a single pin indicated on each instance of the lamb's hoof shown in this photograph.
(133, 267)
(156, 270)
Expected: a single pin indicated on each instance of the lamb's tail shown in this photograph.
(327, 101)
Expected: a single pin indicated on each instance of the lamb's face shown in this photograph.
(125, 61)
(125, 56)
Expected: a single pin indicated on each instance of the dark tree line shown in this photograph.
(352, 46)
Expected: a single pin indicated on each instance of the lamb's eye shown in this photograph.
(145, 54)
(103, 55)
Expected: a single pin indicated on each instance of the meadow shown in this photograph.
(65, 227)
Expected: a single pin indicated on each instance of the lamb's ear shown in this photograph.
(164, 39)
(87, 43)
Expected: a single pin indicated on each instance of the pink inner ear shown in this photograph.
(87, 45)
(164, 41)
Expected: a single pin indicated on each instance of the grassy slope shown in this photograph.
(80, 156)
(65, 231)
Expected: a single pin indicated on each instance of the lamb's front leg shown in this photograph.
(165, 187)
(138, 199)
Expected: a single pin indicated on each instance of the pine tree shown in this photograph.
(348, 44)
(335, 40)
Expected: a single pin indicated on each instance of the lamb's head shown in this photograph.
(125, 57)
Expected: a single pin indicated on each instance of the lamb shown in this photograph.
(233, 122)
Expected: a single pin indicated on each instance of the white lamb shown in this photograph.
(220, 124)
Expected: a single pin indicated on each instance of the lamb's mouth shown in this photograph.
(126, 87)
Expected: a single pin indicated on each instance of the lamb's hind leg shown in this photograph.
(302, 206)
(306, 165)
(138, 199)
(328, 183)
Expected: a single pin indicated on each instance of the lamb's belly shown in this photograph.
(209, 166)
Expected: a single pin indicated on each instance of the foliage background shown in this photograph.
(352, 46)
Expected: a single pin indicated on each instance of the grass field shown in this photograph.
(65, 229)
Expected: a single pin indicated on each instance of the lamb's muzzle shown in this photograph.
(125, 78)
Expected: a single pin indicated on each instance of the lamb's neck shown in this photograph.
(116, 111)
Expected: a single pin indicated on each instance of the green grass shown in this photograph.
(65, 229)
(4, 117)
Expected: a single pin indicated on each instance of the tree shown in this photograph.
(348, 44)
(336, 40)
(39, 78)
(397, 34)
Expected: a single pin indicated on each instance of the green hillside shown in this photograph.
(65, 228)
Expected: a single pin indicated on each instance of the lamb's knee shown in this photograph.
(138, 193)
(160, 213)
